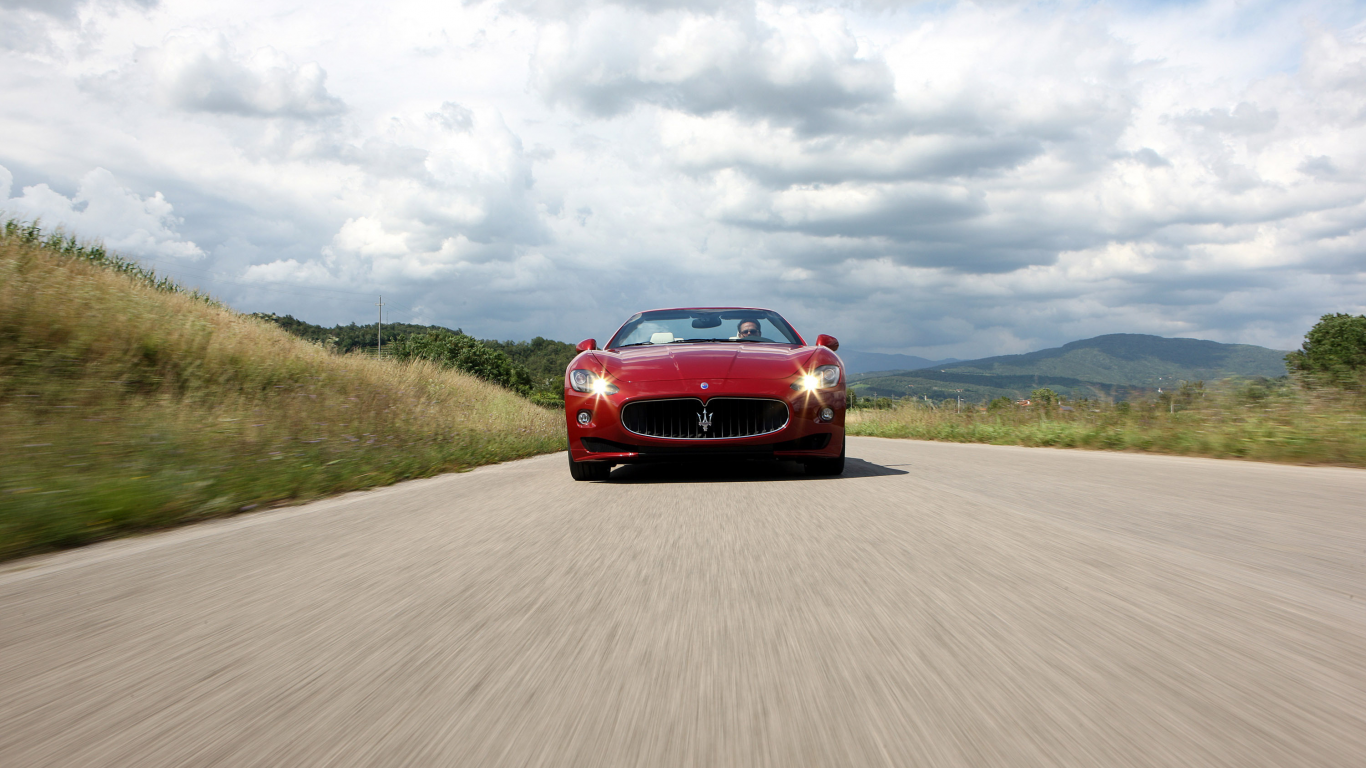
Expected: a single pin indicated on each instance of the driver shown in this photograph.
(749, 329)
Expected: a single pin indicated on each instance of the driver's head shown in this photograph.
(748, 328)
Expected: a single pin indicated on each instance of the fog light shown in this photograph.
(587, 416)
(827, 414)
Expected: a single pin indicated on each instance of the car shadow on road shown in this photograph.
(741, 472)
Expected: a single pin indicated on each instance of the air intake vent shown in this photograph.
(689, 419)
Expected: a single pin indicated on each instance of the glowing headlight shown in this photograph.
(586, 381)
(824, 377)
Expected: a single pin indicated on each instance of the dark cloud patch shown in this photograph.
(1320, 167)
(610, 63)
(66, 9)
(203, 73)
(1244, 119)
(27, 26)
(894, 212)
(834, 160)
(387, 159)
(453, 117)
(1149, 157)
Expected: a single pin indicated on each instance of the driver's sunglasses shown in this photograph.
(749, 332)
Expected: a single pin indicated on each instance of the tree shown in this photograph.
(465, 353)
(1045, 398)
(1334, 351)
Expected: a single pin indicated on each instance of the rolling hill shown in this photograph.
(1118, 366)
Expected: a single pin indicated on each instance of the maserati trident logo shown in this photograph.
(704, 420)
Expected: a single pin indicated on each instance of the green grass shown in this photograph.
(1288, 425)
(129, 404)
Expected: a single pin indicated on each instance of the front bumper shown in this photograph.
(804, 436)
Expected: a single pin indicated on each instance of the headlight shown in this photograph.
(824, 377)
(587, 381)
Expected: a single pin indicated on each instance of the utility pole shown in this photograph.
(379, 330)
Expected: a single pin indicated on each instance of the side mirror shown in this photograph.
(587, 344)
(826, 340)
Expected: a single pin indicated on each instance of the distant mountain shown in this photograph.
(866, 362)
(1134, 359)
(1118, 366)
(976, 388)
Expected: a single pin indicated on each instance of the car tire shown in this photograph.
(588, 470)
(827, 467)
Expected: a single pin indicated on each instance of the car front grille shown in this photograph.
(688, 419)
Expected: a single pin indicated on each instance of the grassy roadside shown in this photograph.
(127, 404)
(1289, 426)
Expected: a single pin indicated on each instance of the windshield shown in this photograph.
(680, 326)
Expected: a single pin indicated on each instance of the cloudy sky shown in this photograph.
(935, 178)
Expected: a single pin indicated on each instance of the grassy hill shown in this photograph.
(128, 403)
(1116, 366)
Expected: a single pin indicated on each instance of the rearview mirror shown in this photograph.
(587, 344)
(826, 340)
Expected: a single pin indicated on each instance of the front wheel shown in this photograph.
(588, 470)
(827, 467)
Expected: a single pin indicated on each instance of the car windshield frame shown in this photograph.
(722, 314)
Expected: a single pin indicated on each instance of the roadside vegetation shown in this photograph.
(129, 403)
(1305, 420)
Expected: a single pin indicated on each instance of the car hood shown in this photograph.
(669, 362)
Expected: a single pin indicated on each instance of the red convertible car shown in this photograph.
(677, 384)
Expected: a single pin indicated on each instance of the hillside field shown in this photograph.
(128, 404)
(1265, 421)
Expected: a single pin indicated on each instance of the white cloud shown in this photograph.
(366, 237)
(104, 209)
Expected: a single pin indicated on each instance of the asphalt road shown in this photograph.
(939, 605)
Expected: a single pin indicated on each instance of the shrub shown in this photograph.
(464, 353)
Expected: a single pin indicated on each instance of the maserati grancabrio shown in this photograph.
(679, 384)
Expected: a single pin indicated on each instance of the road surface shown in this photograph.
(939, 605)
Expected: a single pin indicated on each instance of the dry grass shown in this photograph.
(1287, 425)
(124, 406)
